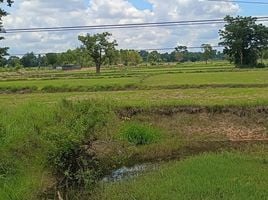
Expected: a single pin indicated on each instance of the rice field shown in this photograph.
(203, 127)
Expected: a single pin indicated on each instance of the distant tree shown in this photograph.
(3, 13)
(144, 55)
(13, 61)
(51, 58)
(166, 57)
(265, 54)
(208, 52)
(130, 57)
(3, 62)
(262, 40)
(98, 47)
(243, 40)
(83, 59)
(154, 57)
(180, 53)
(112, 57)
(29, 60)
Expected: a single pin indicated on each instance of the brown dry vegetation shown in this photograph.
(185, 131)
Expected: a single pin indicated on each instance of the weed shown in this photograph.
(139, 134)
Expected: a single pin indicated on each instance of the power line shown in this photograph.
(118, 25)
(148, 49)
(170, 48)
(123, 26)
(238, 1)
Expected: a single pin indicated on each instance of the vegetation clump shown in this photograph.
(140, 134)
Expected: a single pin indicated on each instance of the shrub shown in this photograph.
(72, 127)
(139, 134)
(260, 65)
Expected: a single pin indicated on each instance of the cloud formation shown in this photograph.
(49, 13)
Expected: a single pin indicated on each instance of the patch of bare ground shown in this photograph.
(204, 123)
(186, 132)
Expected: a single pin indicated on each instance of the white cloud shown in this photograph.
(49, 13)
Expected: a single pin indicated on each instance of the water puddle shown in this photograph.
(125, 173)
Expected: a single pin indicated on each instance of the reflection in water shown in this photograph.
(128, 172)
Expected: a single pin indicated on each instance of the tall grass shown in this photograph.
(37, 139)
(139, 134)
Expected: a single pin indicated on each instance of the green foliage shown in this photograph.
(98, 47)
(13, 61)
(154, 57)
(129, 57)
(139, 134)
(73, 126)
(208, 52)
(30, 60)
(180, 53)
(36, 138)
(51, 58)
(3, 13)
(244, 40)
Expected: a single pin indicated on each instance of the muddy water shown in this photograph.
(125, 173)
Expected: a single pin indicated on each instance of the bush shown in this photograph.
(36, 138)
(73, 126)
(260, 65)
(139, 134)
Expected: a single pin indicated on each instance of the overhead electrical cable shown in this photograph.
(149, 49)
(122, 26)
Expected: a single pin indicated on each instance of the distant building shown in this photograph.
(68, 67)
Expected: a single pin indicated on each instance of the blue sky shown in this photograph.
(254, 9)
(141, 4)
(246, 9)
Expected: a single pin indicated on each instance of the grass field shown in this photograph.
(148, 98)
(209, 176)
(150, 81)
(204, 126)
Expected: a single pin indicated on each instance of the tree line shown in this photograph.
(126, 57)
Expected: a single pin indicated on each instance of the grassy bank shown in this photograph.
(40, 147)
(209, 176)
(66, 147)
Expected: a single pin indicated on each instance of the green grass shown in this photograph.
(145, 81)
(38, 140)
(148, 98)
(68, 82)
(39, 135)
(252, 77)
(139, 134)
(210, 176)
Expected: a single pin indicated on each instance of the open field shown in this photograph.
(203, 128)
(149, 81)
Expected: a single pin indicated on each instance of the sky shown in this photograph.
(51, 13)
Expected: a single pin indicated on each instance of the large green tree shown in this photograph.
(3, 13)
(243, 39)
(98, 46)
